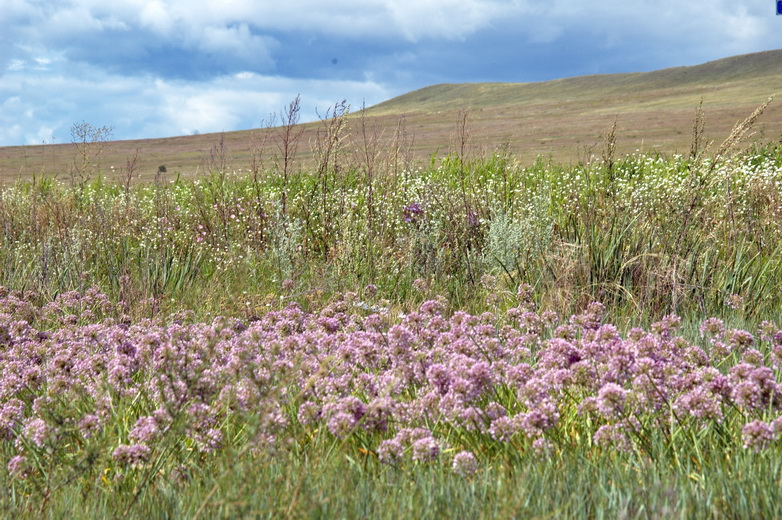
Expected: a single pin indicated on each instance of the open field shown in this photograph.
(480, 337)
(362, 333)
(563, 119)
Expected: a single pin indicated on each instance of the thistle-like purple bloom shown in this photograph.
(464, 463)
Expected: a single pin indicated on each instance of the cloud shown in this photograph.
(144, 106)
(164, 67)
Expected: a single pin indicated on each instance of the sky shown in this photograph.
(159, 68)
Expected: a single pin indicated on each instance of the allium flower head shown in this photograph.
(464, 463)
(37, 431)
(757, 435)
(611, 399)
(90, 424)
(132, 455)
(390, 451)
(502, 429)
(612, 435)
(146, 430)
(488, 281)
(425, 449)
(739, 338)
(18, 467)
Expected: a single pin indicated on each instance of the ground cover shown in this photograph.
(479, 337)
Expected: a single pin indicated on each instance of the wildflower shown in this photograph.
(464, 463)
(146, 430)
(18, 467)
(390, 451)
(37, 431)
(757, 435)
(502, 429)
(309, 413)
(425, 449)
(666, 326)
(132, 455)
(612, 435)
(10, 417)
(611, 399)
(90, 424)
(701, 404)
(748, 395)
(713, 327)
(412, 212)
(432, 307)
(420, 285)
(541, 446)
(739, 338)
(752, 356)
(488, 281)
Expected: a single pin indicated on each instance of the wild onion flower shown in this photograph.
(425, 449)
(390, 451)
(612, 436)
(464, 463)
(18, 467)
(38, 432)
(611, 399)
(145, 430)
(757, 435)
(90, 424)
(132, 455)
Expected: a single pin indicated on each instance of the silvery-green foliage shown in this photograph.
(517, 237)
(286, 236)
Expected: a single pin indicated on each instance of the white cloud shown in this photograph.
(142, 107)
(121, 63)
(156, 16)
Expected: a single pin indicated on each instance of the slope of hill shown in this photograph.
(564, 119)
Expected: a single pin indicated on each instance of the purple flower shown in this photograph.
(612, 436)
(611, 399)
(502, 429)
(18, 467)
(89, 425)
(464, 463)
(739, 338)
(342, 424)
(37, 431)
(757, 435)
(390, 451)
(309, 413)
(425, 449)
(11, 414)
(146, 430)
(412, 212)
(712, 327)
(132, 455)
(701, 404)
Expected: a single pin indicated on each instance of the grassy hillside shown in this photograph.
(472, 338)
(565, 119)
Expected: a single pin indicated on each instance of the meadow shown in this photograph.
(471, 338)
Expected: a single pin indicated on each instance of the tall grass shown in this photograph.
(646, 234)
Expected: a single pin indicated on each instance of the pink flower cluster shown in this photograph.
(404, 387)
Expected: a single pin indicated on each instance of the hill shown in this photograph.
(565, 119)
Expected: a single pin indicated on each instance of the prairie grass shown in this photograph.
(647, 235)
(185, 271)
